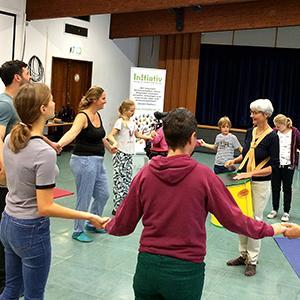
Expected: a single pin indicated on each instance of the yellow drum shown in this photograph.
(240, 191)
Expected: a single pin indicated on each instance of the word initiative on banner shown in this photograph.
(147, 88)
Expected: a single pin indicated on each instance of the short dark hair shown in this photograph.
(9, 69)
(178, 127)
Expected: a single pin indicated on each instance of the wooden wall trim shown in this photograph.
(217, 128)
(37, 9)
(235, 16)
(179, 55)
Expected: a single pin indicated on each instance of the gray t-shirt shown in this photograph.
(8, 114)
(226, 144)
(33, 167)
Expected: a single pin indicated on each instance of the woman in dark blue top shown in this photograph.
(87, 159)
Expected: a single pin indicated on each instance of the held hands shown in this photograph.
(113, 148)
(153, 134)
(56, 146)
(292, 230)
(201, 142)
(2, 177)
(289, 230)
(279, 228)
(98, 222)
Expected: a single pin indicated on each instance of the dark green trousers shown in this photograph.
(159, 277)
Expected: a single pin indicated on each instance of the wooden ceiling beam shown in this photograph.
(234, 16)
(37, 9)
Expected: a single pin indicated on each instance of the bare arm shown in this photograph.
(47, 207)
(139, 135)
(2, 135)
(112, 149)
(54, 145)
(257, 173)
(206, 145)
(79, 123)
(111, 137)
(2, 171)
(234, 161)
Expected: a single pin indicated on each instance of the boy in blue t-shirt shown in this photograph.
(225, 144)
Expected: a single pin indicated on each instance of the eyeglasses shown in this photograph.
(252, 112)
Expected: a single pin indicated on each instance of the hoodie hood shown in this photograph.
(172, 169)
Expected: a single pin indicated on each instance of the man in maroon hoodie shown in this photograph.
(173, 196)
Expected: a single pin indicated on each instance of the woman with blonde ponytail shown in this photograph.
(87, 160)
(30, 165)
(289, 142)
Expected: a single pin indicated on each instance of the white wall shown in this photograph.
(111, 59)
(15, 7)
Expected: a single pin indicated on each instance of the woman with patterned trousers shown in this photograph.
(123, 137)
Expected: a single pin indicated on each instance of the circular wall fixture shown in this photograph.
(76, 77)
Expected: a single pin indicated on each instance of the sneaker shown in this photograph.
(240, 261)
(285, 217)
(81, 237)
(93, 229)
(250, 270)
(272, 214)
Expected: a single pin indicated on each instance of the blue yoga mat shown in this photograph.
(291, 250)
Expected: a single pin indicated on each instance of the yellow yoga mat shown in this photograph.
(240, 191)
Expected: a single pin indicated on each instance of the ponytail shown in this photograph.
(84, 103)
(28, 102)
(94, 93)
(282, 119)
(289, 123)
(19, 137)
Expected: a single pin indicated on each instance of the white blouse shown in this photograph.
(285, 141)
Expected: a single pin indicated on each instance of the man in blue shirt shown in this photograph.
(13, 74)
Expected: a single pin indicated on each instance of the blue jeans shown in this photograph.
(27, 256)
(91, 181)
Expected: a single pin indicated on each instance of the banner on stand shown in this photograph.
(147, 89)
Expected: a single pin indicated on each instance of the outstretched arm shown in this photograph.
(129, 213)
(2, 171)
(78, 124)
(140, 135)
(221, 203)
(47, 207)
(206, 145)
(111, 137)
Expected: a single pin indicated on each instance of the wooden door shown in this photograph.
(70, 81)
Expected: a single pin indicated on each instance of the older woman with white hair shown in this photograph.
(260, 155)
